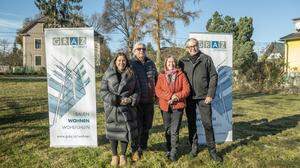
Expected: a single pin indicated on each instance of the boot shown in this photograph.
(168, 146)
(168, 154)
(213, 154)
(135, 156)
(173, 155)
(114, 161)
(123, 160)
(194, 150)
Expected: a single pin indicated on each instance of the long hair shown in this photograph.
(127, 69)
(166, 59)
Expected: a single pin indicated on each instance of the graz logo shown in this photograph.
(212, 44)
(73, 41)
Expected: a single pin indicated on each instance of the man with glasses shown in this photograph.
(202, 76)
(146, 73)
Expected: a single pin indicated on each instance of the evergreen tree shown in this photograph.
(61, 13)
(243, 53)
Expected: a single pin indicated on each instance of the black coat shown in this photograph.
(146, 74)
(121, 120)
(202, 75)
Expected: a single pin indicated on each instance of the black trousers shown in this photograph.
(145, 114)
(198, 106)
(172, 121)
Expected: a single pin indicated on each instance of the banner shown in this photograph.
(219, 48)
(71, 87)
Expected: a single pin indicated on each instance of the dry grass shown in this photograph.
(266, 133)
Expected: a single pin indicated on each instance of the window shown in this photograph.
(38, 60)
(37, 43)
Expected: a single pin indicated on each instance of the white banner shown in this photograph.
(219, 48)
(71, 87)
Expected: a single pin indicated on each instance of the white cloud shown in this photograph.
(10, 14)
(9, 23)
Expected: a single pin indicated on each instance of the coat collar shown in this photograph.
(138, 61)
(200, 58)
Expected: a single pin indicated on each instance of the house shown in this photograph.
(292, 49)
(34, 55)
(274, 50)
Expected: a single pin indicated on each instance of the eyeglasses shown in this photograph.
(141, 49)
(193, 46)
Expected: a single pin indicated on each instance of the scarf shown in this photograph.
(171, 75)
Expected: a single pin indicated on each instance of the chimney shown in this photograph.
(297, 24)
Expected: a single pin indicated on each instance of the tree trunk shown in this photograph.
(157, 40)
(158, 56)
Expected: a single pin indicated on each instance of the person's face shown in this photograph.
(192, 48)
(140, 52)
(121, 63)
(170, 63)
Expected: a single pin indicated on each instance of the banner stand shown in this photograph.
(71, 87)
(219, 48)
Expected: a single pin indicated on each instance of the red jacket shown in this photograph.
(164, 90)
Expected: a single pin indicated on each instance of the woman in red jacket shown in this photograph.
(172, 88)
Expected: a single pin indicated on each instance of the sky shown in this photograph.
(272, 19)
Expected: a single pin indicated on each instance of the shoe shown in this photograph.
(135, 156)
(140, 151)
(213, 154)
(173, 155)
(194, 150)
(123, 160)
(114, 161)
(168, 153)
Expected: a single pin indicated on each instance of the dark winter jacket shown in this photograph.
(121, 120)
(202, 75)
(147, 75)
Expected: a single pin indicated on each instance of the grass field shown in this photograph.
(266, 133)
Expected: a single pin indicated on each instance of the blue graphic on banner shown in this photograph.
(70, 84)
(222, 102)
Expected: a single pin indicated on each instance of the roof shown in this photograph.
(43, 20)
(274, 47)
(32, 24)
(292, 36)
(296, 19)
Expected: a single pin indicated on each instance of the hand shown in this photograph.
(207, 100)
(174, 98)
(125, 101)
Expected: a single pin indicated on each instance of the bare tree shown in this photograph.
(160, 17)
(123, 16)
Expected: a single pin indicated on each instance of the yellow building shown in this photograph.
(292, 49)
